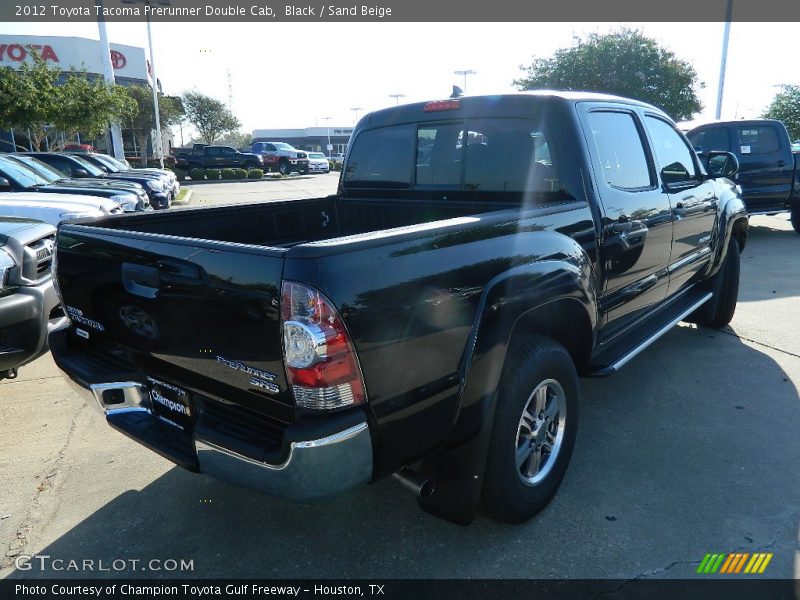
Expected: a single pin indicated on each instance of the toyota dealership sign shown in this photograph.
(72, 52)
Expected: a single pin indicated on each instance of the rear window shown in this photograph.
(476, 155)
(707, 140)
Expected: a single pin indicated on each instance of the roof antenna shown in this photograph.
(457, 92)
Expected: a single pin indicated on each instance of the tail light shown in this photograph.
(321, 364)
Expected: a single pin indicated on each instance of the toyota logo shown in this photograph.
(118, 59)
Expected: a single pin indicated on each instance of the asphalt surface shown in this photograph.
(692, 448)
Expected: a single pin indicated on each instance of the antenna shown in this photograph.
(230, 91)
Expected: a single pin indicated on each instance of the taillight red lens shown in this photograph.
(321, 364)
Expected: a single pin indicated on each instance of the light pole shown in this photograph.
(397, 97)
(465, 72)
(355, 109)
(723, 62)
(328, 126)
(108, 75)
(158, 149)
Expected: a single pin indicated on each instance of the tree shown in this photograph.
(625, 63)
(87, 106)
(28, 98)
(237, 139)
(143, 122)
(209, 116)
(785, 106)
(32, 100)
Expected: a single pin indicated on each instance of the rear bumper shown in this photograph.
(25, 323)
(318, 463)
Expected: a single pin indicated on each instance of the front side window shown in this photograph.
(673, 155)
(619, 148)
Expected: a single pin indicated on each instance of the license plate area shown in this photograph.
(170, 403)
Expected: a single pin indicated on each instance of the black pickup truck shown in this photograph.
(217, 157)
(430, 320)
(769, 172)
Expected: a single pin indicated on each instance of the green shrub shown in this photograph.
(227, 173)
(212, 174)
(332, 165)
(255, 173)
(240, 173)
(337, 166)
(197, 174)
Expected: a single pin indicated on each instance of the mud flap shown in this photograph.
(457, 472)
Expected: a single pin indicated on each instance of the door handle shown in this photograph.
(140, 280)
(621, 227)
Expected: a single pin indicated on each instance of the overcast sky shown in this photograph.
(294, 74)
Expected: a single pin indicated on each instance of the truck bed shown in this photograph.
(283, 225)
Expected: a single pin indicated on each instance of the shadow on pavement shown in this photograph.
(693, 448)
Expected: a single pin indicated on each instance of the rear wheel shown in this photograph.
(724, 286)
(796, 216)
(534, 430)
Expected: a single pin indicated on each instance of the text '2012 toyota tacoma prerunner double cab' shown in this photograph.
(430, 320)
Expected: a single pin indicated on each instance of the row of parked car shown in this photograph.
(39, 190)
(270, 156)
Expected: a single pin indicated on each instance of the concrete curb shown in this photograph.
(186, 199)
(189, 182)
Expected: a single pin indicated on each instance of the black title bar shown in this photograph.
(399, 10)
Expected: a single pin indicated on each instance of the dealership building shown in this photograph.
(313, 139)
(130, 68)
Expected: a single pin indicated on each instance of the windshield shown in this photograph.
(44, 170)
(22, 175)
(110, 162)
(283, 146)
(90, 168)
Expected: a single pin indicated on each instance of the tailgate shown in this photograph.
(198, 314)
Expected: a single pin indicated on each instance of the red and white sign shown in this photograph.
(69, 52)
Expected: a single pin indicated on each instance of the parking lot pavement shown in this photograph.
(288, 188)
(692, 448)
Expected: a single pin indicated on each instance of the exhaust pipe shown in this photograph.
(415, 482)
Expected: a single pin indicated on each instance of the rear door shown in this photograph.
(766, 165)
(196, 314)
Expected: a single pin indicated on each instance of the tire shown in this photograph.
(796, 216)
(513, 493)
(718, 311)
(284, 168)
(303, 170)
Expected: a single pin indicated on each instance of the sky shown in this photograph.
(295, 74)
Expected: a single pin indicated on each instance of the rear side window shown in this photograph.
(675, 158)
(620, 150)
(758, 139)
(382, 158)
(707, 140)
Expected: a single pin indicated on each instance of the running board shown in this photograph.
(630, 355)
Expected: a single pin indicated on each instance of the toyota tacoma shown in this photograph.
(428, 321)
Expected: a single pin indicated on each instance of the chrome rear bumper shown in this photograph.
(313, 469)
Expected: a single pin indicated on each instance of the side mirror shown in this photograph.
(722, 164)
(5, 185)
(80, 173)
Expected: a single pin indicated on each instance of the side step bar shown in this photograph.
(631, 354)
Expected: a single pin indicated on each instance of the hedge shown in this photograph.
(197, 174)
(212, 174)
(255, 173)
(240, 173)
